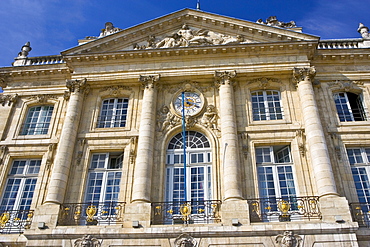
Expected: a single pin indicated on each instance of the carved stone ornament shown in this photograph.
(264, 82)
(304, 74)
(3, 151)
(77, 86)
(187, 36)
(133, 141)
(336, 142)
(185, 240)
(42, 98)
(109, 29)
(210, 117)
(50, 155)
(288, 239)
(149, 80)
(301, 139)
(346, 85)
(364, 31)
(3, 83)
(115, 90)
(166, 120)
(87, 241)
(7, 99)
(66, 95)
(273, 21)
(244, 143)
(224, 77)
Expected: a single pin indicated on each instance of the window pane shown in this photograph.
(113, 113)
(38, 120)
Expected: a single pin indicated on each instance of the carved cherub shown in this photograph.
(87, 241)
(288, 239)
(165, 119)
(210, 117)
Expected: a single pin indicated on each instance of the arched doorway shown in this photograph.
(198, 168)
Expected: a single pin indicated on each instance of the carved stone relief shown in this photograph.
(42, 98)
(301, 138)
(3, 83)
(187, 36)
(264, 82)
(8, 99)
(3, 152)
(273, 21)
(288, 239)
(115, 90)
(210, 117)
(224, 77)
(87, 241)
(185, 240)
(166, 120)
(77, 86)
(149, 80)
(346, 85)
(301, 74)
(50, 155)
(133, 148)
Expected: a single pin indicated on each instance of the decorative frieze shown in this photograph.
(264, 82)
(115, 90)
(347, 86)
(148, 81)
(7, 99)
(288, 239)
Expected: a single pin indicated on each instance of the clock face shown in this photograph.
(192, 103)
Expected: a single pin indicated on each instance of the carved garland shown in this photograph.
(42, 98)
(264, 82)
(346, 85)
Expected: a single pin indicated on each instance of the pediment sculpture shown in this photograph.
(187, 36)
(273, 21)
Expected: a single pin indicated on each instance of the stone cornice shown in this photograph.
(36, 71)
(285, 48)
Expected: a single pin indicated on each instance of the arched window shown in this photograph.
(198, 168)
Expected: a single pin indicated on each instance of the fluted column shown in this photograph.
(145, 147)
(230, 162)
(314, 132)
(63, 157)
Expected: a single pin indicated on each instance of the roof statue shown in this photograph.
(187, 36)
(109, 29)
(364, 31)
(273, 21)
(22, 55)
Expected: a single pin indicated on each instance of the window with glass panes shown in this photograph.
(359, 159)
(113, 113)
(38, 120)
(20, 185)
(275, 172)
(104, 178)
(198, 168)
(349, 107)
(266, 105)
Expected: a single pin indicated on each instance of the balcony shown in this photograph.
(189, 212)
(102, 213)
(15, 221)
(361, 213)
(284, 209)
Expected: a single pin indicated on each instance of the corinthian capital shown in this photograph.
(224, 77)
(304, 74)
(149, 80)
(76, 85)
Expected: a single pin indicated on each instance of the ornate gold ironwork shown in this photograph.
(185, 210)
(361, 213)
(90, 212)
(15, 221)
(4, 218)
(284, 206)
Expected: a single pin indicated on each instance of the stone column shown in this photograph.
(145, 147)
(314, 132)
(65, 149)
(230, 161)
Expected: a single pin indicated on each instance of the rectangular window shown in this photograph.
(20, 185)
(113, 113)
(349, 107)
(38, 120)
(266, 105)
(359, 159)
(104, 178)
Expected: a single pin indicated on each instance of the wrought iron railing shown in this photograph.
(361, 213)
(284, 209)
(15, 221)
(189, 212)
(102, 213)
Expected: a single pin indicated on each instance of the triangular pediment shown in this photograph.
(188, 28)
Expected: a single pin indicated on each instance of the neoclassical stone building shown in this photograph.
(192, 129)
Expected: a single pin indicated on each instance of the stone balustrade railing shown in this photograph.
(339, 44)
(46, 60)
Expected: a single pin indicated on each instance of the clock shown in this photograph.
(193, 103)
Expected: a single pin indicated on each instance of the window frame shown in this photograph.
(258, 112)
(50, 114)
(110, 123)
(345, 110)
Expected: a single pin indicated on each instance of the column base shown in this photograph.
(335, 209)
(46, 214)
(137, 212)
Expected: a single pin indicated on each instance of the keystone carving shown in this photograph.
(288, 239)
(8, 99)
(149, 80)
(304, 74)
(87, 241)
(185, 240)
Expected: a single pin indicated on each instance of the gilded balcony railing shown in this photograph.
(15, 221)
(361, 213)
(284, 209)
(189, 212)
(102, 213)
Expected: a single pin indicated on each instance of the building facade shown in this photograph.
(193, 129)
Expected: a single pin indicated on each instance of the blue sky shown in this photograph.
(55, 25)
